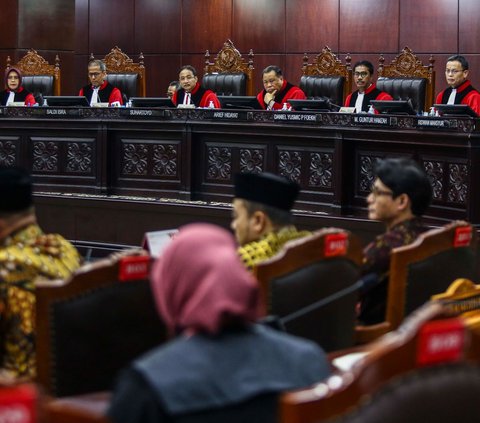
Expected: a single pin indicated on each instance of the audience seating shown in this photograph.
(93, 325)
(229, 73)
(308, 270)
(422, 269)
(327, 77)
(406, 78)
(426, 370)
(123, 73)
(39, 77)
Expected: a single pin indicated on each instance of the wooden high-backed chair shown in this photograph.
(229, 73)
(123, 73)
(310, 269)
(39, 76)
(407, 78)
(426, 370)
(327, 77)
(422, 269)
(94, 324)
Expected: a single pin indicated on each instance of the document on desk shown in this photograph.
(155, 242)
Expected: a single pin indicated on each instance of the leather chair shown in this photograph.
(402, 377)
(406, 78)
(39, 77)
(123, 73)
(95, 324)
(422, 269)
(229, 73)
(308, 270)
(327, 77)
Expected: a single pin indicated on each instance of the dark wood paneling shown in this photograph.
(196, 60)
(469, 31)
(81, 27)
(159, 72)
(111, 24)
(158, 26)
(9, 24)
(206, 25)
(46, 24)
(427, 32)
(474, 75)
(311, 26)
(293, 68)
(259, 25)
(67, 67)
(79, 74)
(369, 26)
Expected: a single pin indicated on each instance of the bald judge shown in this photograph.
(262, 218)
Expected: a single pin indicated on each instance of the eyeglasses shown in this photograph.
(187, 78)
(94, 74)
(453, 71)
(377, 192)
(362, 74)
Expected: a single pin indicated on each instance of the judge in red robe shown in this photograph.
(460, 90)
(277, 90)
(366, 89)
(191, 92)
(15, 92)
(100, 90)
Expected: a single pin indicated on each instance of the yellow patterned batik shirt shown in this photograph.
(266, 247)
(26, 255)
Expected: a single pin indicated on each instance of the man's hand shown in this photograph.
(269, 97)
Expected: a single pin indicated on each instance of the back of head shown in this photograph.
(200, 284)
(405, 176)
(15, 190)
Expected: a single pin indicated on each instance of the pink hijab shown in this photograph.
(200, 284)
(7, 72)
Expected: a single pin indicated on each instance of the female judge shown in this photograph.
(15, 93)
(221, 365)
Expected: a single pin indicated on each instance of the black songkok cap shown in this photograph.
(266, 188)
(15, 189)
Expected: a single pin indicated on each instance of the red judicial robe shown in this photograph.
(20, 95)
(466, 94)
(287, 92)
(106, 94)
(371, 93)
(200, 97)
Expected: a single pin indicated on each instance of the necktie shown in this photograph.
(187, 99)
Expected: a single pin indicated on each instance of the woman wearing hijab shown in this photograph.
(220, 366)
(15, 92)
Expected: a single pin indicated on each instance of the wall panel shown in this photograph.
(311, 24)
(469, 29)
(157, 26)
(427, 32)
(206, 25)
(259, 25)
(9, 24)
(369, 26)
(81, 27)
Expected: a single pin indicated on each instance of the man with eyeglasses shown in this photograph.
(100, 90)
(366, 89)
(277, 90)
(191, 92)
(400, 194)
(460, 90)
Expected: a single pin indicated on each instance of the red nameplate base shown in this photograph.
(463, 236)
(336, 245)
(133, 268)
(18, 404)
(440, 341)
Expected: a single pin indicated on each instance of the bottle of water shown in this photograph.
(285, 106)
(211, 105)
(432, 112)
(129, 103)
(371, 110)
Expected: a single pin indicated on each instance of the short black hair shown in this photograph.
(97, 62)
(274, 68)
(458, 58)
(365, 63)
(405, 176)
(190, 68)
(175, 84)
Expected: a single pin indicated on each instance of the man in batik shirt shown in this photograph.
(400, 194)
(26, 254)
(262, 218)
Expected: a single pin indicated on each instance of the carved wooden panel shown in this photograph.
(45, 156)
(457, 183)
(9, 151)
(366, 171)
(435, 172)
(80, 157)
(154, 159)
(252, 160)
(320, 173)
(219, 163)
(290, 164)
